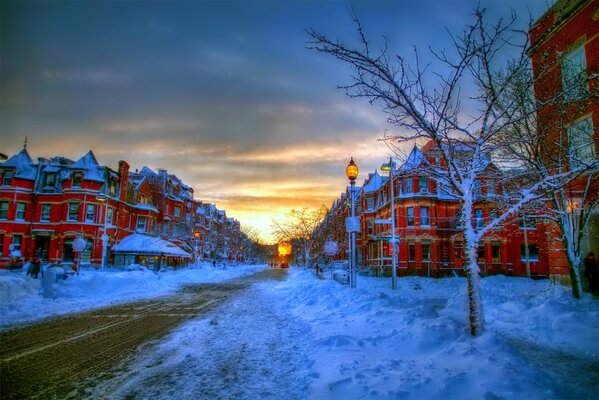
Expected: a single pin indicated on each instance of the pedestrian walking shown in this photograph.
(591, 272)
(214, 263)
(317, 269)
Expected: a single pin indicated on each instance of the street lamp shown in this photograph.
(102, 198)
(352, 226)
(393, 241)
(196, 236)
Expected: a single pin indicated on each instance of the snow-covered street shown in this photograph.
(309, 338)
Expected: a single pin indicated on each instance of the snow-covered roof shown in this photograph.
(23, 165)
(143, 244)
(375, 181)
(149, 207)
(88, 163)
(415, 160)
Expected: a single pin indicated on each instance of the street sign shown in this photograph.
(382, 221)
(352, 224)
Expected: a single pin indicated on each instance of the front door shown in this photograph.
(42, 244)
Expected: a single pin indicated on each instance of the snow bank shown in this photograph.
(22, 299)
(413, 342)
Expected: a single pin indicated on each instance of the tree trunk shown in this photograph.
(475, 304)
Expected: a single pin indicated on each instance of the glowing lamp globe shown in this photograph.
(352, 170)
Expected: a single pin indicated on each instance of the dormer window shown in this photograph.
(113, 187)
(177, 212)
(76, 179)
(7, 177)
(50, 180)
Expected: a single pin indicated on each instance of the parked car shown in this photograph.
(284, 265)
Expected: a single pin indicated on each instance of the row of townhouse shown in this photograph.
(563, 52)
(427, 225)
(46, 205)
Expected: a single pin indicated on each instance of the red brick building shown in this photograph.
(45, 205)
(565, 57)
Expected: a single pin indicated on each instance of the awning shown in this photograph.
(138, 243)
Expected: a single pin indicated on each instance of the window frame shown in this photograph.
(7, 177)
(574, 73)
(581, 143)
(425, 217)
(46, 211)
(89, 207)
(73, 212)
(4, 210)
(20, 211)
(410, 216)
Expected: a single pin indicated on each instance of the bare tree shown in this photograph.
(465, 141)
(299, 226)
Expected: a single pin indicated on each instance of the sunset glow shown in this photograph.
(225, 95)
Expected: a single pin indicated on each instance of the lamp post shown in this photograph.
(393, 241)
(196, 236)
(102, 198)
(351, 226)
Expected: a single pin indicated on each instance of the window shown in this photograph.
(495, 252)
(370, 203)
(457, 251)
(17, 241)
(141, 224)
(410, 216)
(423, 185)
(493, 214)
(574, 73)
(480, 254)
(478, 217)
(370, 227)
(426, 250)
(109, 212)
(90, 212)
(46, 210)
(113, 187)
(7, 177)
(177, 211)
(1, 244)
(50, 180)
(582, 143)
(20, 216)
(409, 185)
(424, 217)
(73, 212)
(533, 253)
(76, 180)
(411, 250)
(3, 209)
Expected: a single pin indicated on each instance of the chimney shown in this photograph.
(123, 179)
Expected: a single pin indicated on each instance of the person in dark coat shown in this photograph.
(591, 272)
(35, 267)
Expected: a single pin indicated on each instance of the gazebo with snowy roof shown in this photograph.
(149, 251)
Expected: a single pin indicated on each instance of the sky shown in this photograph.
(223, 94)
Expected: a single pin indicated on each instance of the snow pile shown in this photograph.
(413, 342)
(22, 299)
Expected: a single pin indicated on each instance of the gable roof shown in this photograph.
(88, 163)
(23, 165)
(415, 160)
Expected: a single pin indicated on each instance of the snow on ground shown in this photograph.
(23, 299)
(310, 338)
